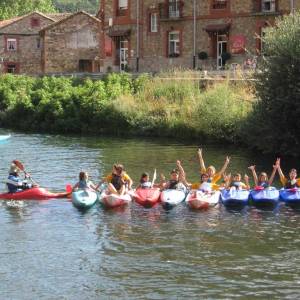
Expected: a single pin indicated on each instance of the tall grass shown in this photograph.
(170, 104)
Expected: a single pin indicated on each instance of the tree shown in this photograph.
(91, 6)
(274, 126)
(12, 8)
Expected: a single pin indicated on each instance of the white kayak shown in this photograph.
(170, 198)
(202, 200)
(84, 198)
(112, 200)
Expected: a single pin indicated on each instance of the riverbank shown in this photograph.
(120, 104)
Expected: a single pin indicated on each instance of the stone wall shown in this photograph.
(67, 42)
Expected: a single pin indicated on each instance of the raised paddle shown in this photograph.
(22, 168)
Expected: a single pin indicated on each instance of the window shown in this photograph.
(174, 44)
(153, 22)
(11, 68)
(219, 4)
(122, 7)
(174, 11)
(11, 45)
(268, 5)
(35, 22)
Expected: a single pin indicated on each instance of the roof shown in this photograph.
(9, 21)
(69, 17)
(58, 16)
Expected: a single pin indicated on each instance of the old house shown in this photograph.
(154, 35)
(71, 45)
(20, 42)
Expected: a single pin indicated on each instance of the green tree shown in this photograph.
(12, 8)
(274, 126)
(91, 6)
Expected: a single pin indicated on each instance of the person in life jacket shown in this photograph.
(118, 181)
(177, 179)
(214, 176)
(262, 180)
(292, 181)
(145, 182)
(84, 182)
(236, 182)
(14, 183)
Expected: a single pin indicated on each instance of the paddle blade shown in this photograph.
(154, 177)
(19, 164)
(69, 188)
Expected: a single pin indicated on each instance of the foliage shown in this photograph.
(202, 55)
(275, 122)
(91, 6)
(13, 8)
(170, 104)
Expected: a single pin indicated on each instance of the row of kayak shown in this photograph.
(168, 198)
(195, 199)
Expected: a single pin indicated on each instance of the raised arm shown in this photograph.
(226, 163)
(281, 175)
(275, 167)
(201, 160)
(252, 168)
(182, 176)
(246, 178)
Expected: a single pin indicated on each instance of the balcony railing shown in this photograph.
(219, 4)
(171, 10)
(265, 7)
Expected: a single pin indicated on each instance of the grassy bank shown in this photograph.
(119, 104)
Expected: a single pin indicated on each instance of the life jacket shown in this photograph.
(173, 184)
(290, 185)
(205, 187)
(14, 178)
(263, 184)
(145, 185)
(117, 181)
(236, 184)
(83, 184)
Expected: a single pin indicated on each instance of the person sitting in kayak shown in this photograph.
(118, 181)
(292, 182)
(14, 182)
(145, 182)
(84, 183)
(262, 180)
(236, 182)
(176, 181)
(214, 176)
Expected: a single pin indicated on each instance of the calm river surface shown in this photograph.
(50, 250)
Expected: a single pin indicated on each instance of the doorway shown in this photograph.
(222, 41)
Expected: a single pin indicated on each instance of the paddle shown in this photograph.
(22, 168)
(154, 178)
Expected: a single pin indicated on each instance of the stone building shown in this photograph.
(20, 42)
(154, 35)
(71, 45)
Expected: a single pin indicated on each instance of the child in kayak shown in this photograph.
(292, 182)
(176, 181)
(118, 181)
(236, 182)
(262, 180)
(214, 176)
(84, 183)
(14, 183)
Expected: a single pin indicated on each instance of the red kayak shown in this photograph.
(35, 193)
(147, 197)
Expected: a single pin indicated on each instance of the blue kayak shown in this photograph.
(84, 198)
(290, 196)
(234, 198)
(265, 197)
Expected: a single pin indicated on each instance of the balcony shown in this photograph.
(265, 7)
(220, 4)
(173, 10)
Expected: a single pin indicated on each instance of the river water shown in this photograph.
(50, 250)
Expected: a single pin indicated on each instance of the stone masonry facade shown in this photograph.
(181, 33)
